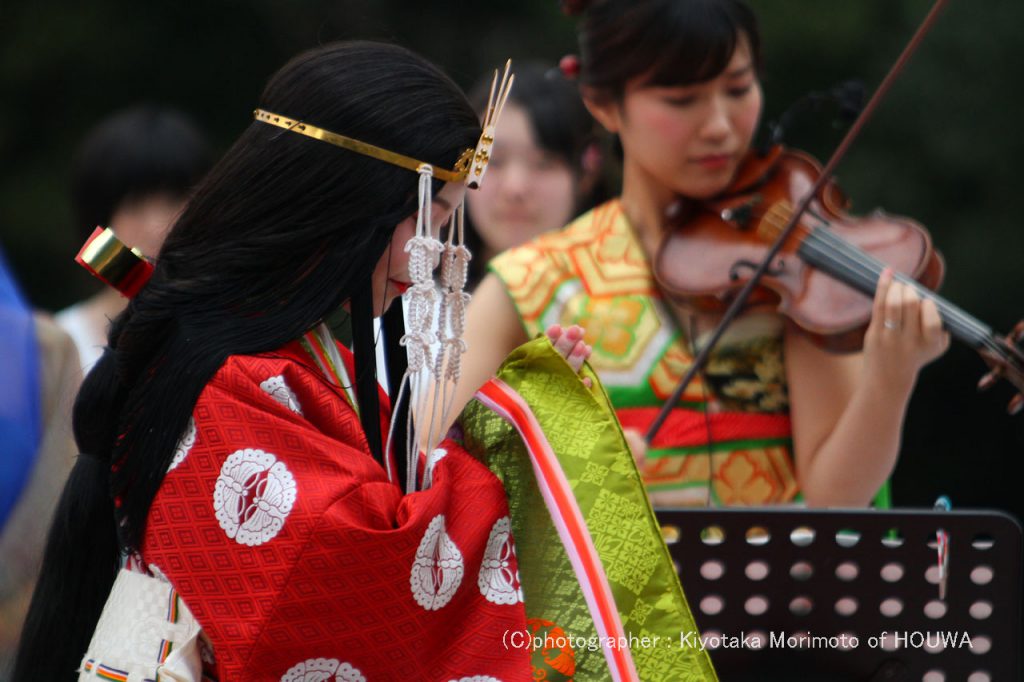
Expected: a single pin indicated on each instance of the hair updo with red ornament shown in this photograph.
(656, 42)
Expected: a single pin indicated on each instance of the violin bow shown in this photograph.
(738, 303)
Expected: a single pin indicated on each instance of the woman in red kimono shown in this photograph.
(224, 464)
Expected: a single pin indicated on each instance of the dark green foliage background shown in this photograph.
(943, 148)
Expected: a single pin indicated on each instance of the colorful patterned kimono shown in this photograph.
(594, 273)
(278, 549)
(594, 566)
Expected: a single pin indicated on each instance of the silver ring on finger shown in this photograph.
(891, 324)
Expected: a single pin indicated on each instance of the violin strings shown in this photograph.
(874, 267)
(970, 329)
(823, 244)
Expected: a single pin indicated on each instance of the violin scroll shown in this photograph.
(1009, 365)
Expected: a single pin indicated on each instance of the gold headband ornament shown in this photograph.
(127, 270)
(470, 166)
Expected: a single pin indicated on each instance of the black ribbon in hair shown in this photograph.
(393, 325)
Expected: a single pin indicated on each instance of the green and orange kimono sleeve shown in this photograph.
(603, 601)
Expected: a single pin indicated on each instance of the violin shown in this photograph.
(708, 257)
(804, 246)
(824, 274)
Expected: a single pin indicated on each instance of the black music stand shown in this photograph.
(804, 583)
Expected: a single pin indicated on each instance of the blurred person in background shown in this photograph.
(133, 173)
(39, 371)
(545, 166)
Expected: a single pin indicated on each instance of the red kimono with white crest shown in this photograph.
(301, 560)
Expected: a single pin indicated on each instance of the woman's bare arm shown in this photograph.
(493, 330)
(848, 411)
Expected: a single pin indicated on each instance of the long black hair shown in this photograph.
(280, 233)
(660, 42)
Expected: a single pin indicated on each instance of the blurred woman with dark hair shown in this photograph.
(545, 165)
(133, 173)
(773, 418)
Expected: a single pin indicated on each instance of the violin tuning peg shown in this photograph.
(989, 380)
(1016, 405)
(1017, 334)
(738, 215)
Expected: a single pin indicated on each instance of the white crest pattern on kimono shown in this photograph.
(438, 568)
(279, 390)
(184, 445)
(253, 496)
(497, 583)
(428, 471)
(323, 670)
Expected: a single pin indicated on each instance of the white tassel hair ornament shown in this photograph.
(436, 311)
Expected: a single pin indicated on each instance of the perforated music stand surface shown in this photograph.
(862, 573)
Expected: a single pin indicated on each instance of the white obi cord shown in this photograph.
(146, 632)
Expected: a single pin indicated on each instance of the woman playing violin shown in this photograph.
(773, 418)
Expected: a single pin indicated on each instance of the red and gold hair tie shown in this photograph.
(114, 262)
